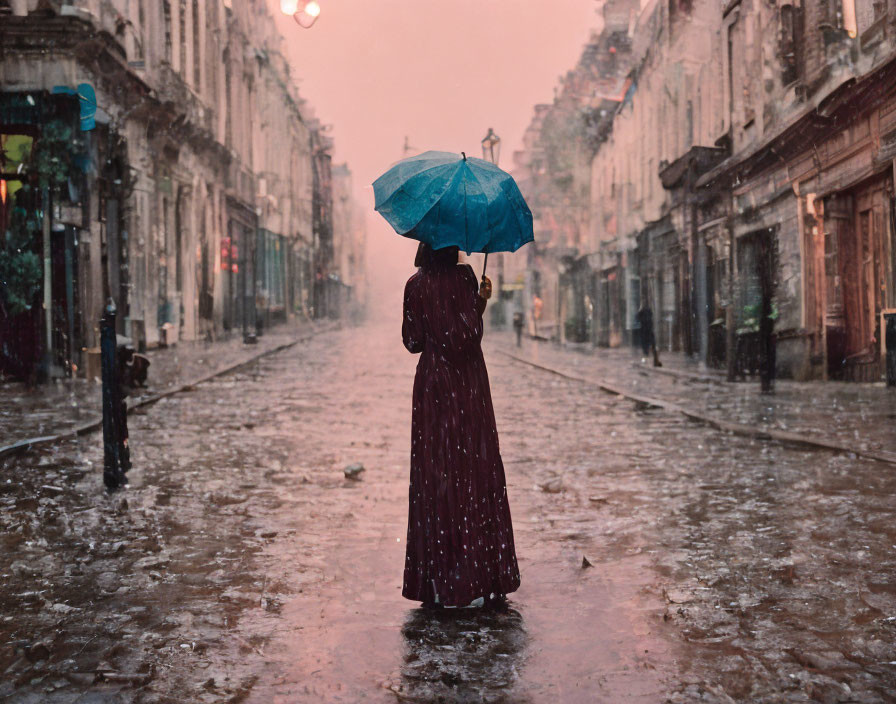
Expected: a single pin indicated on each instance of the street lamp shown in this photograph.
(308, 15)
(491, 151)
(304, 12)
(491, 147)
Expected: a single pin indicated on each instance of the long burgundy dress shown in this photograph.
(460, 538)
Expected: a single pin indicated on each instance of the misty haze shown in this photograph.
(447, 351)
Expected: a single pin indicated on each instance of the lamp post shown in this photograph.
(491, 151)
(491, 147)
(304, 12)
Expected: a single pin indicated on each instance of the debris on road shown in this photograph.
(353, 471)
(554, 486)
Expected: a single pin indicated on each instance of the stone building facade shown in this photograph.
(350, 240)
(567, 268)
(807, 193)
(742, 183)
(191, 185)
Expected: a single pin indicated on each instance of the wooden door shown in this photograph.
(855, 254)
(838, 211)
(838, 232)
(870, 261)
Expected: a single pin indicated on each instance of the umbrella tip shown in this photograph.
(464, 155)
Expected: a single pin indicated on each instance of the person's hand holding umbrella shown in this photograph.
(485, 287)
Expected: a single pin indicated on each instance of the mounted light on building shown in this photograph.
(491, 147)
(289, 7)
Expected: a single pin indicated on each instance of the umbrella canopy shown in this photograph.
(446, 199)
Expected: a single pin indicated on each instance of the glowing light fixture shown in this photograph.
(308, 15)
(289, 7)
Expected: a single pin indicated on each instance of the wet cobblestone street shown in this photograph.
(242, 565)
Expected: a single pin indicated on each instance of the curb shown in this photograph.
(666, 371)
(680, 374)
(736, 428)
(23, 446)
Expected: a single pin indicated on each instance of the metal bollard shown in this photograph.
(116, 453)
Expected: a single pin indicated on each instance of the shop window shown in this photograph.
(21, 268)
(749, 293)
(15, 152)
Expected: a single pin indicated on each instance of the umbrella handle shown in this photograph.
(484, 265)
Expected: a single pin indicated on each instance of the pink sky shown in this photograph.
(440, 72)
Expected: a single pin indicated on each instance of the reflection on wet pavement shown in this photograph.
(466, 655)
(242, 565)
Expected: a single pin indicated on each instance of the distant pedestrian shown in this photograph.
(648, 338)
(518, 323)
(460, 549)
(537, 305)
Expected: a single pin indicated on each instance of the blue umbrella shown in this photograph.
(447, 199)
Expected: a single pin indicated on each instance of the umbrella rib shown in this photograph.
(521, 226)
(484, 193)
(466, 225)
(437, 205)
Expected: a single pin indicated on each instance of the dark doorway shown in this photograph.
(756, 313)
(66, 310)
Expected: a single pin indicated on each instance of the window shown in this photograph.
(197, 63)
(166, 14)
(228, 107)
(678, 8)
(740, 77)
(868, 12)
(212, 48)
(788, 42)
(689, 119)
(182, 26)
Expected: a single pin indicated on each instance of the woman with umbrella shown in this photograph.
(460, 549)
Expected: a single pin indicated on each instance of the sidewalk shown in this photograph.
(66, 406)
(841, 416)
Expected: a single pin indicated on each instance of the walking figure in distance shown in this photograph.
(518, 322)
(648, 339)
